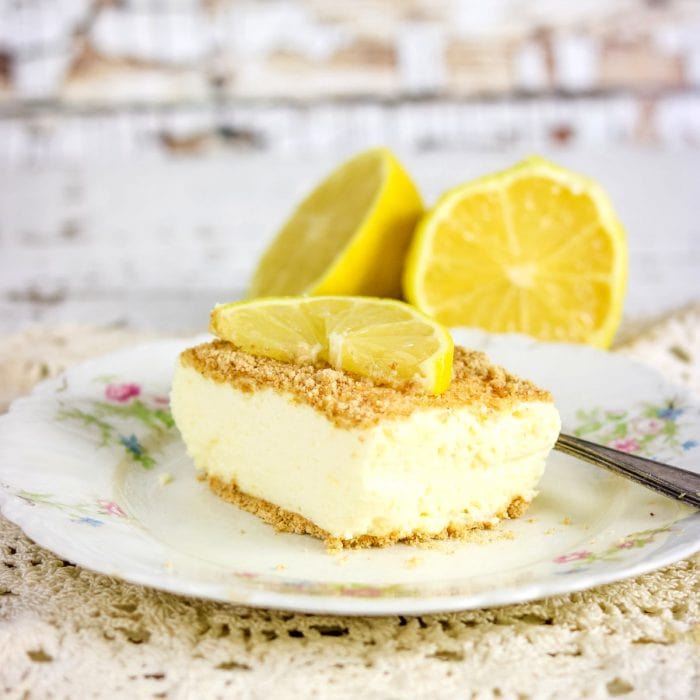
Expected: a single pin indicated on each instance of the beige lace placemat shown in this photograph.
(66, 632)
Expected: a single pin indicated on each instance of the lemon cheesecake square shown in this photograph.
(317, 450)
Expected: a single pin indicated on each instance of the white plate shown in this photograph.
(83, 461)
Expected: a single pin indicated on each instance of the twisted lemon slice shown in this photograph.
(383, 339)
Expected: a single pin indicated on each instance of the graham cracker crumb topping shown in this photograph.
(350, 401)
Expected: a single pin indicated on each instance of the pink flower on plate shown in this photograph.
(572, 556)
(648, 426)
(625, 545)
(625, 445)
(121, 393)
(111, 508)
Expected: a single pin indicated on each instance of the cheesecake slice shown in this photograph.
(316, 450)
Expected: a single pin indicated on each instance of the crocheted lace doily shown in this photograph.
(68, 632)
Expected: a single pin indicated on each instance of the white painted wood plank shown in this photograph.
(176, 236)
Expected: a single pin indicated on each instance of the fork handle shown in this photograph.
(681, 484)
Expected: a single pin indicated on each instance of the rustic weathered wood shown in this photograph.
(154, 244)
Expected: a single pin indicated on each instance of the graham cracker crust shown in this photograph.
(350, 401)
(287, 521)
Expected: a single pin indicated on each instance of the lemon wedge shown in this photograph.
(535, 249)
(387, 340)
(348, 236)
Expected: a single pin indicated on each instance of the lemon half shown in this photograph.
(535, 249)
(348, 236)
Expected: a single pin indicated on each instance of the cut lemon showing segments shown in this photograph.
(387, 340)
(348, 236)
(535, 249)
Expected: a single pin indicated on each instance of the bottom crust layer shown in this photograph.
(287, 521)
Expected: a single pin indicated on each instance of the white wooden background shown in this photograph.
(154, 243)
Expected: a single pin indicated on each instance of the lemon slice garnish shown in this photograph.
(389, 341)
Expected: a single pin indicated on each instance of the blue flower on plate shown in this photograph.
(132, 444)
(689, 444)
(670, 412)
(86, 520)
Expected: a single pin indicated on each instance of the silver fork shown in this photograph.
(681, 484)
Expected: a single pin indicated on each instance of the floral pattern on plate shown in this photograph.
(128, 416)
(648, 430)
(583, 558)
(91, 513)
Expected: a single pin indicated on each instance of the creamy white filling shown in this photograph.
(421, 473)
